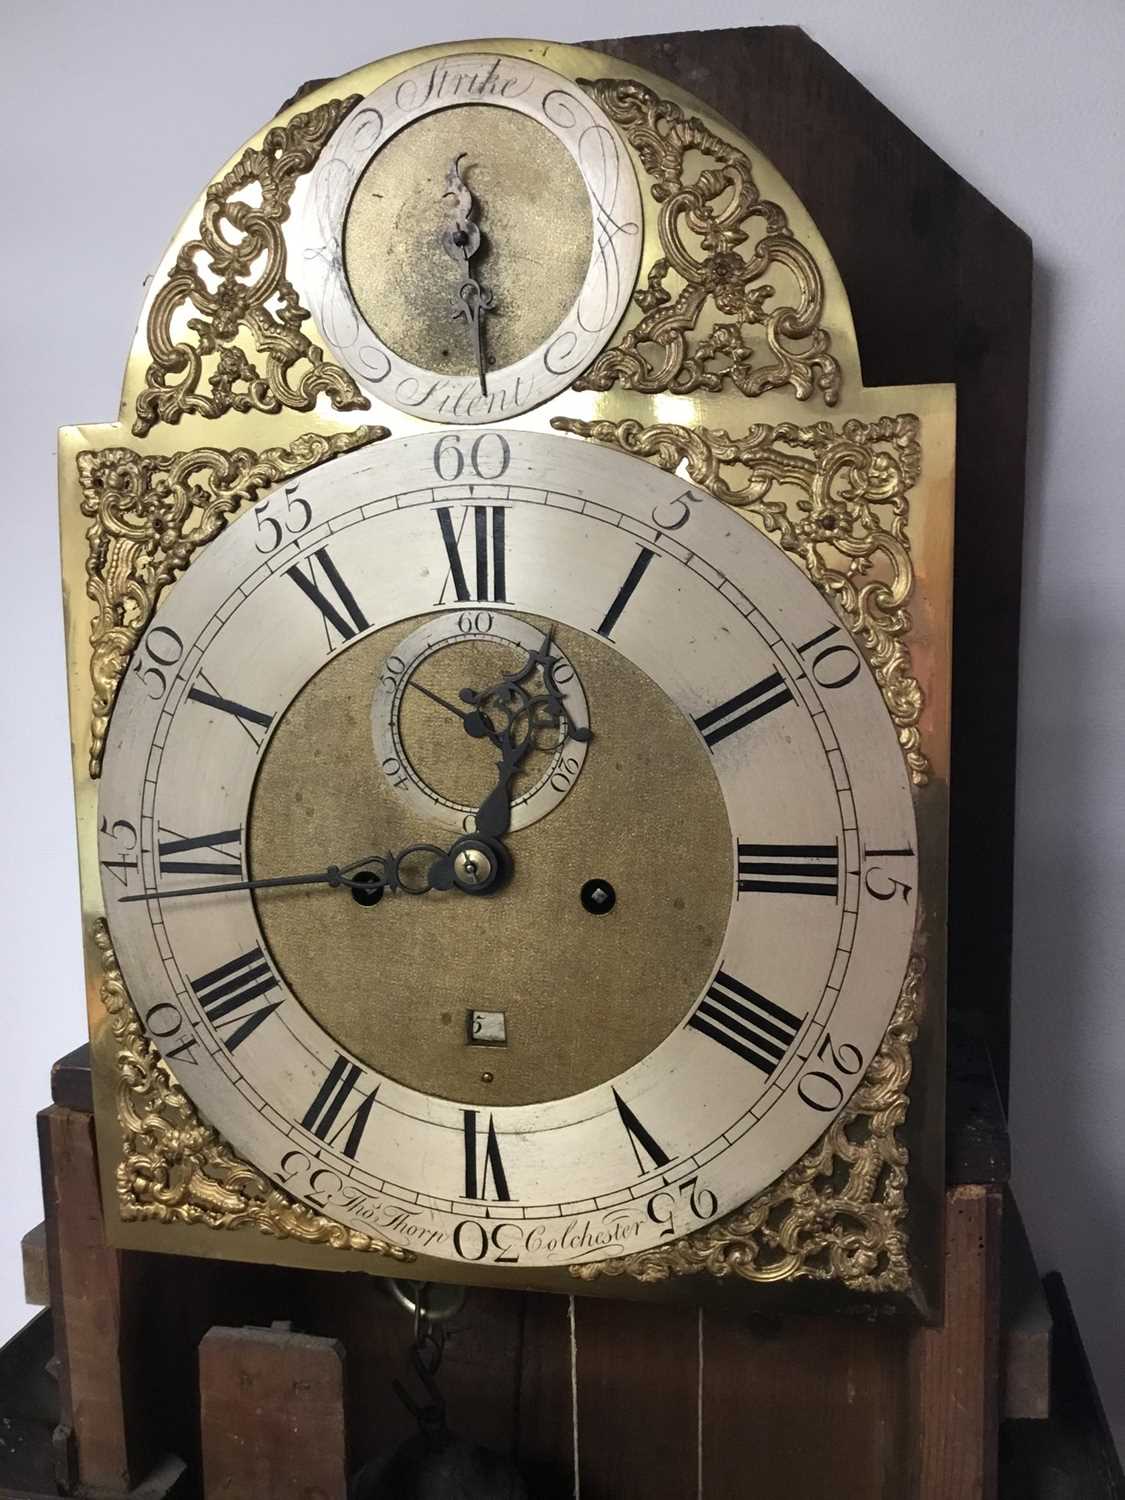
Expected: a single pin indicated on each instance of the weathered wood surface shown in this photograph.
(1025, 1326)
(953, 1424)
(36, 1276)
(272, 1415)
(97, 1332)
(659, 1402)
(1071, 1456)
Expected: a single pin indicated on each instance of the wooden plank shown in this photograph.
(168, 1481)
(955, 1369)
(1072, 1455)
(72, 1083)
(808, 1406)
(1025, 1323)
(36, 1276)
(29, 1408)
(104, 1438)
(272, 1415)
(637, 1373)
(545, 1415)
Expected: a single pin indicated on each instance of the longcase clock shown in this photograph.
(509, 660)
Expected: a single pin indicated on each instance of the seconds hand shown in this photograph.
(476, 722)
(451, 707)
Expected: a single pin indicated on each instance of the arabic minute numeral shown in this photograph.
(672, 514)
(488, 457)
(124, 835)
(663, 1206)
(161, 648)
(472, 1241)
(835, 665)
(395, 771)
(271, 531)
(879, 882)
(822, 1090)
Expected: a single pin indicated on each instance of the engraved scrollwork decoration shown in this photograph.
(232, 279)
(175, 1168)
(837, 499)
(703, 225)
(148, 515)
(839, 1214)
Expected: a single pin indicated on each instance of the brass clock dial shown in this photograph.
(469, 237)
(684, 964)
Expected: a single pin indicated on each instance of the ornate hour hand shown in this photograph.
(526, 713)
(461, 241)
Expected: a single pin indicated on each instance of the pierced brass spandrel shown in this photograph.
(839, 1214)
(148, 515)
(231, 281)
(175, 1168)
(836, 498)
(679, 344)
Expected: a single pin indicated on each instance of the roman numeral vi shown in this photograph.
(478, 1171)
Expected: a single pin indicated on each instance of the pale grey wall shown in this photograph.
(107, 141)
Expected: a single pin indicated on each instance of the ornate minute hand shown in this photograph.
(461, 241)
(384, 871)
(334, 875)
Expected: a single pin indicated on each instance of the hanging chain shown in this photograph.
(426, 1352)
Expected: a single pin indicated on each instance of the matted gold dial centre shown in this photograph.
(398, 983)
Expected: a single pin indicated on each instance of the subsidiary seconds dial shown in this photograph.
(540, 1075)
(418, 715)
